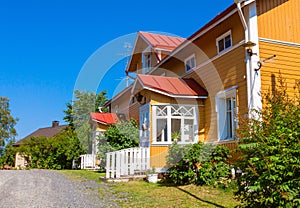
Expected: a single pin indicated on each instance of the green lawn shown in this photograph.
(144, 194)
(81, 175)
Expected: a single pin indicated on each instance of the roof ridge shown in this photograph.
(152, 33)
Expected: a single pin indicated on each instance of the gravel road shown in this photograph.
(43, 189)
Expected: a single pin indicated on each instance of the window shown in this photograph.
(147, 60)
(145, 125)
(169, 119)
(226, 111)
(224, 42)
(190, 63)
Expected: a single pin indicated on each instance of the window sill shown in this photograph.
(161, 144)
(169, 143)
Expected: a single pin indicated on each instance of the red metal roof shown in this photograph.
(105, 118)
(172, 85)
(162, 41)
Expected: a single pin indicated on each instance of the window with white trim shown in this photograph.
(226, 111)
(147, 61)
(167, 119)
(190, 63)
(224, 42)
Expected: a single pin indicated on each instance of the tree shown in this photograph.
(123, 135)
(7, 123)
(270, 149)
(119, 136)
(8, 158)
(78, 114)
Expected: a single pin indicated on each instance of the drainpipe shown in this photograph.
(243, 20)
(248, 58)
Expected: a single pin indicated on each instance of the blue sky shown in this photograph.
(45, 44)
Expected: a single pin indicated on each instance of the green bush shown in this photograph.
(8, 158)
(122, 135)
(54, 153)
(201, 164)
(214, 169)
(270, 148)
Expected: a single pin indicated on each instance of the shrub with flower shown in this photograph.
(201, 164)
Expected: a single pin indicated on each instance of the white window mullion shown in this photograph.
(154, 124)
(169, 122)
(182, 129)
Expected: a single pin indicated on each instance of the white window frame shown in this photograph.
(167, 115)
(146, 60)
(222, 37)
(222, 112)
(189, 59)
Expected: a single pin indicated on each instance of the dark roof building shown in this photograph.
(46, 132)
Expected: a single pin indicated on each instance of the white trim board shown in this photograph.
(266, 40)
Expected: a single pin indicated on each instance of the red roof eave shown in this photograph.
(172, 86)
(104, 118)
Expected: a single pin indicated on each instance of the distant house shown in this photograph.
(47, 132)
(100, 123)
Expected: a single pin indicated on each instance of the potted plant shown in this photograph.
(175, 136)
(152, 176)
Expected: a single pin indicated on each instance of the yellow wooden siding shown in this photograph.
(171, 68)
(207, 42)
(134, 111)
(101, 127)
(279, 20)
(286, 62)
(121, 103)
(225, 72)
(205, 46)
(158, 156)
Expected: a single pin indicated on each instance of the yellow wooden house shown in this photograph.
(199, 85)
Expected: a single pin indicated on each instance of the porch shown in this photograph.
(88, 162)
(127, 163)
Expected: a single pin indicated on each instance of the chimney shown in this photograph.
(55, 124)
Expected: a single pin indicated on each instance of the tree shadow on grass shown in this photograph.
(196, 197)
(168, 184)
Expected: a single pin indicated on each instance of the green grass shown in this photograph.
(81, 175)
(144, 194)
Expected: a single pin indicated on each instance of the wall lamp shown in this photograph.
(140, 98)
(248, 46)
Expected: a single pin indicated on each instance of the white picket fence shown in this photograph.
(88, 161)
(127, 162)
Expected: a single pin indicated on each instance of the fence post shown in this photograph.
(131, 161)
(107, 165)
(126, 162)
(148, 158)
(113, 163)
(118, 160)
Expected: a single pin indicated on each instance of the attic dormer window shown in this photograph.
(147, 61)
(224, 41)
